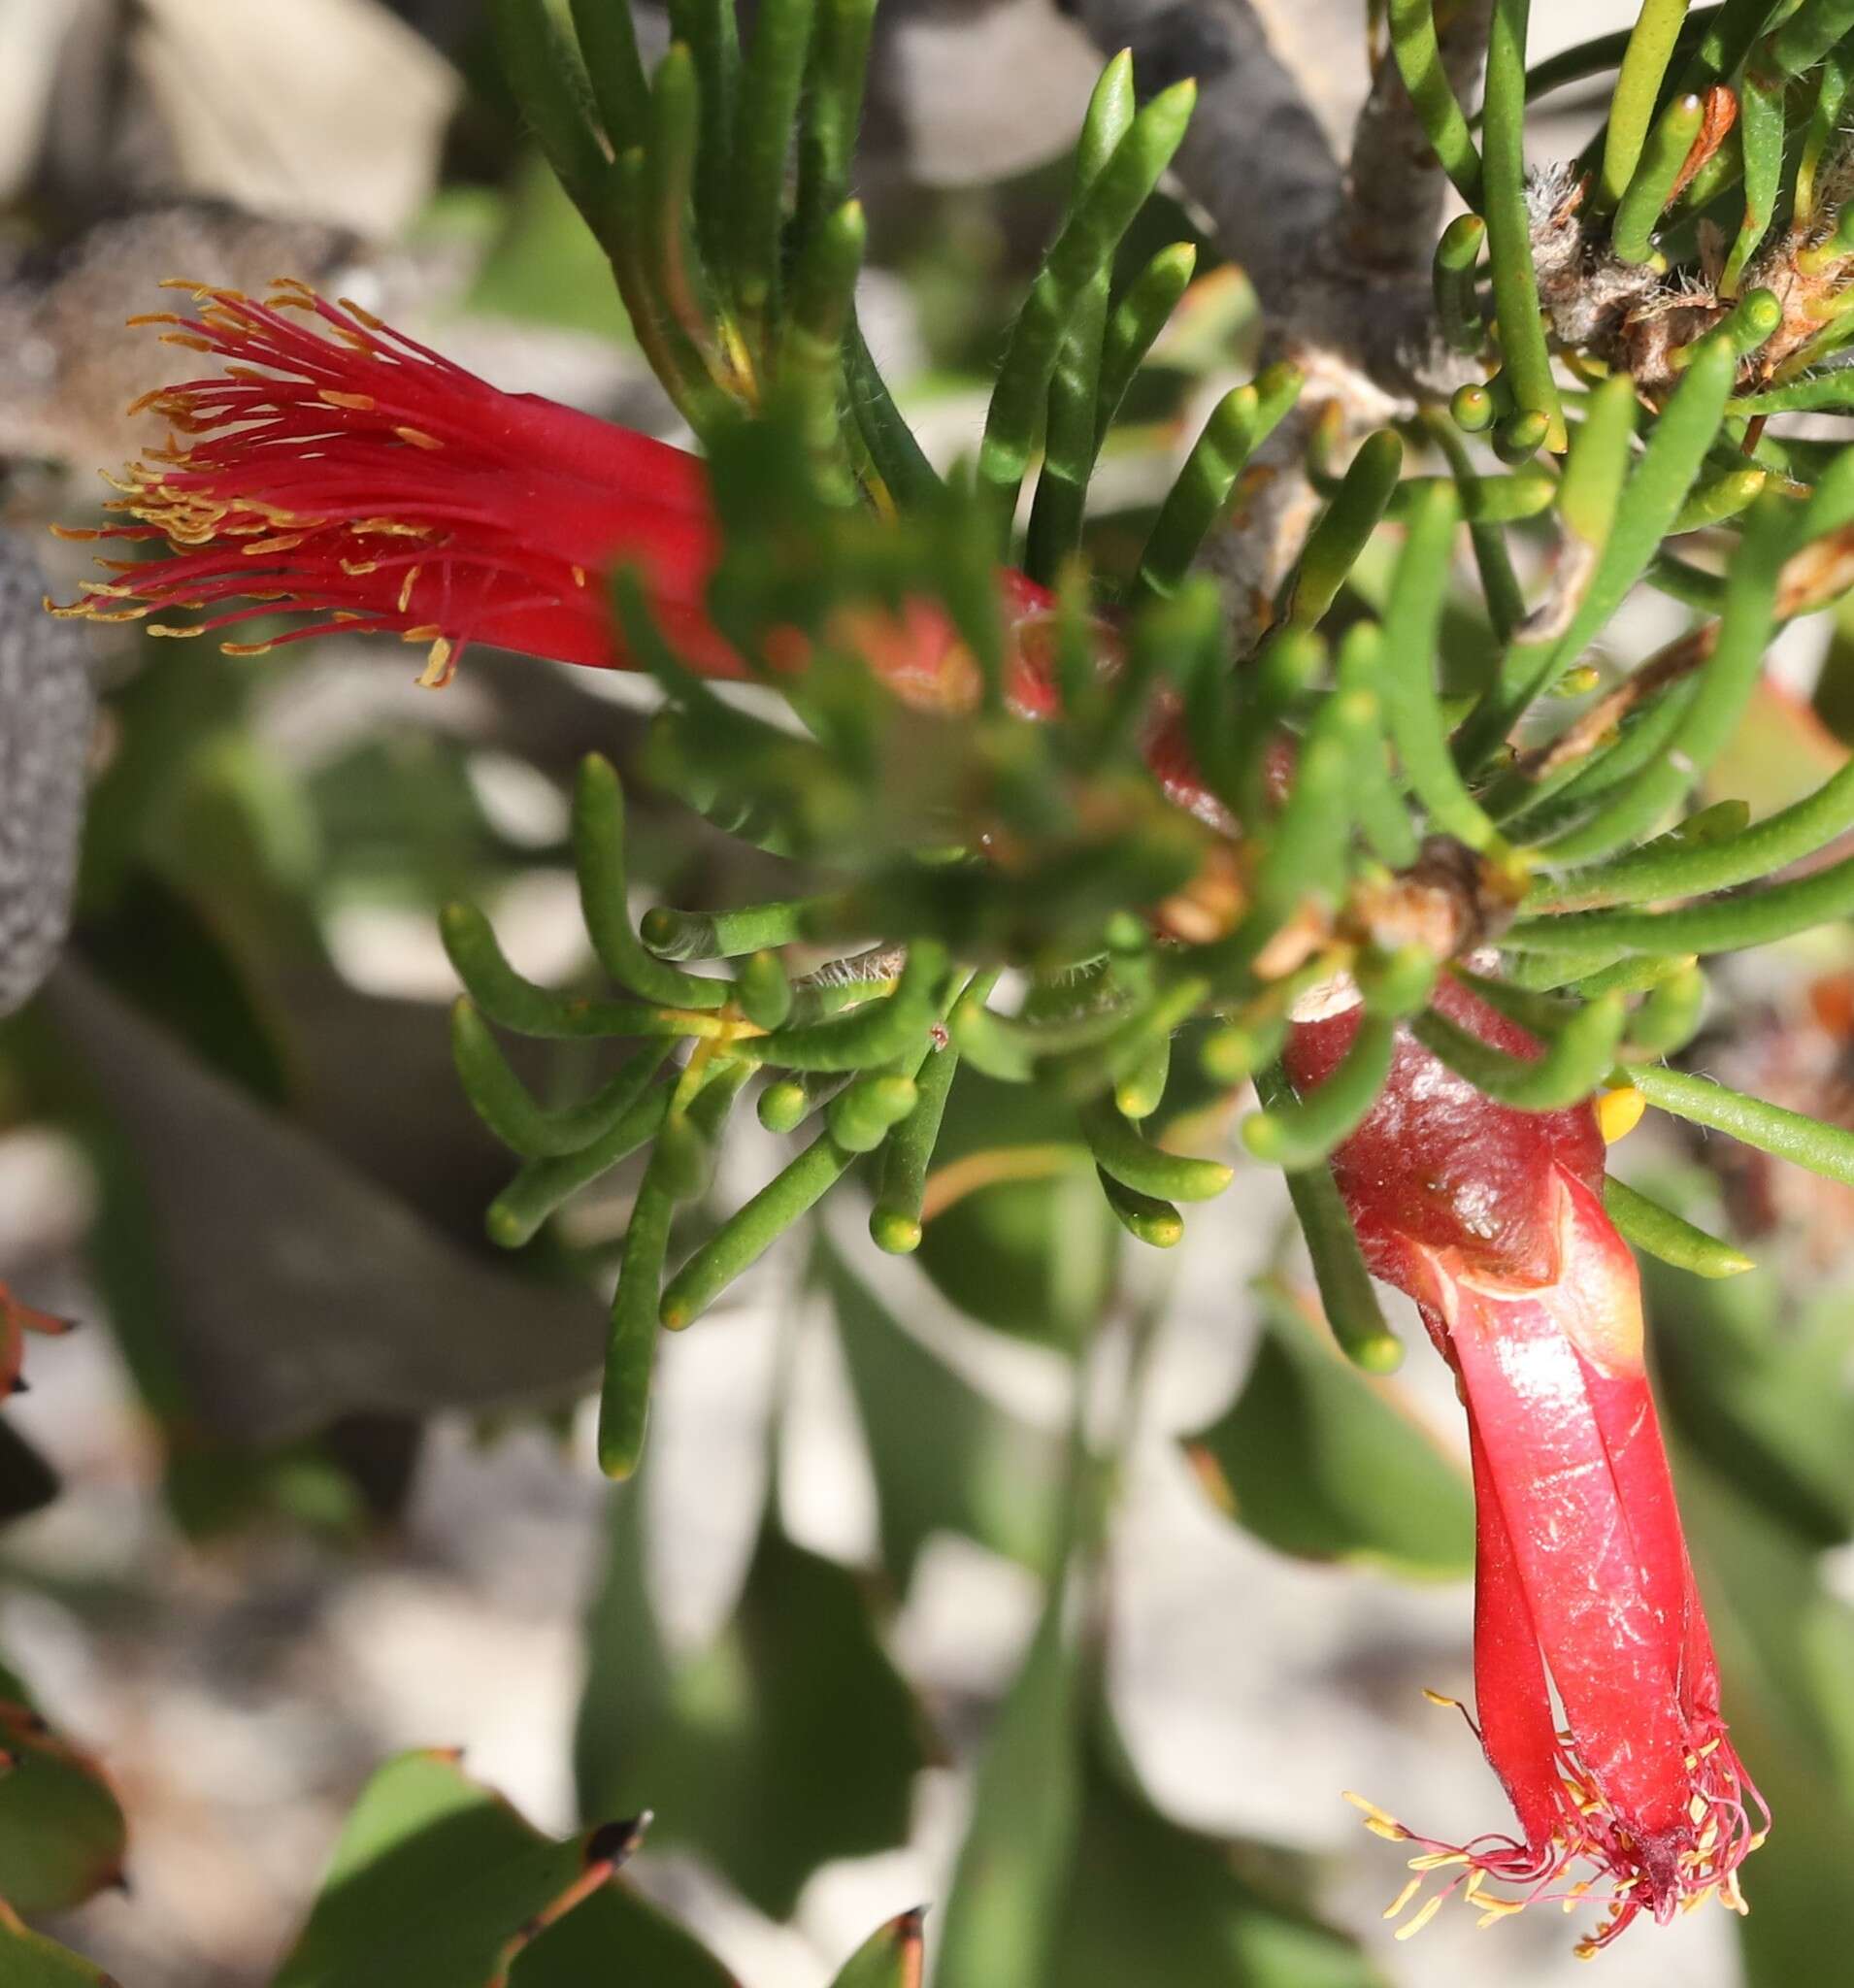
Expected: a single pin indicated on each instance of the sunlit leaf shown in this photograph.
(1032, 1256)
(435, 1882)
(788, 1742)
(1759, 1385)
(890, 1958)
(62, 1834)
(1149, 1901)
(28, 1960)
(620, 1937)
(1000, 1915)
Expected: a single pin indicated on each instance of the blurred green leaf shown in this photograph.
(1328, 1462)
(1001, 1922)
(788, 1742)
(890, 1958)
(1032, 1257)
(1783, 1646)
(1149, 1901)
(216, 1212)
(619, 1938)
(62, 1834)
(946, 1458)
(433, 1882)
(545, 264)
(158, 950)
(27, 1960)
(1760, 1385)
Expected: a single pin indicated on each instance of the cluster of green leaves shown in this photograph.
(963, 841)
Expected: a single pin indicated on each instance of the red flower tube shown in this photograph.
(1493, 1220)
(337, 470)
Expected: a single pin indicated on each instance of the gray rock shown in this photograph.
(46, 712)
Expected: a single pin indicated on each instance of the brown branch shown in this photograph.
(1395, 188)
(1255, 159)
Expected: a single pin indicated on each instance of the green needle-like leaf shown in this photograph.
(1726, 684)
(1672, 1238)
(1528, 368)
(598, 851)
(1654, 494)
(545, 74)
(1573, 1063)
(517, 1213)
(516, 1004)
(1136, 321)
(1672, 869)
(1826, 1149)
(607, 41)
(1347, 1295)
(630, 1355)
(1809, 33)
(1419, 61)
(1085, 245)
(1300, 1135)
(503, 1103)
(1240, 422)
(772, 79)
(1632, 106)
(1344, 528)
(1120, 1151)
(1651, 184)
(1412, 619)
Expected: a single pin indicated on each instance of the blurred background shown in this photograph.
(313, 1481)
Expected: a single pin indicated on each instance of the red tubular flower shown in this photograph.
(337, 470)
(1493, 1220)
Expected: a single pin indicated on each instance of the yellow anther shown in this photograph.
(1447, 1704)
(1391, 1832)
(1437, 1860)
(360, 402)
(1403, 1898)
(186, 339)
(578, 576)
(359, 312)
(418, 438)
(440, 667)
(1422, 1919)
(1619, 1112)
(406, 586)
(173, 634)
(247, 649)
